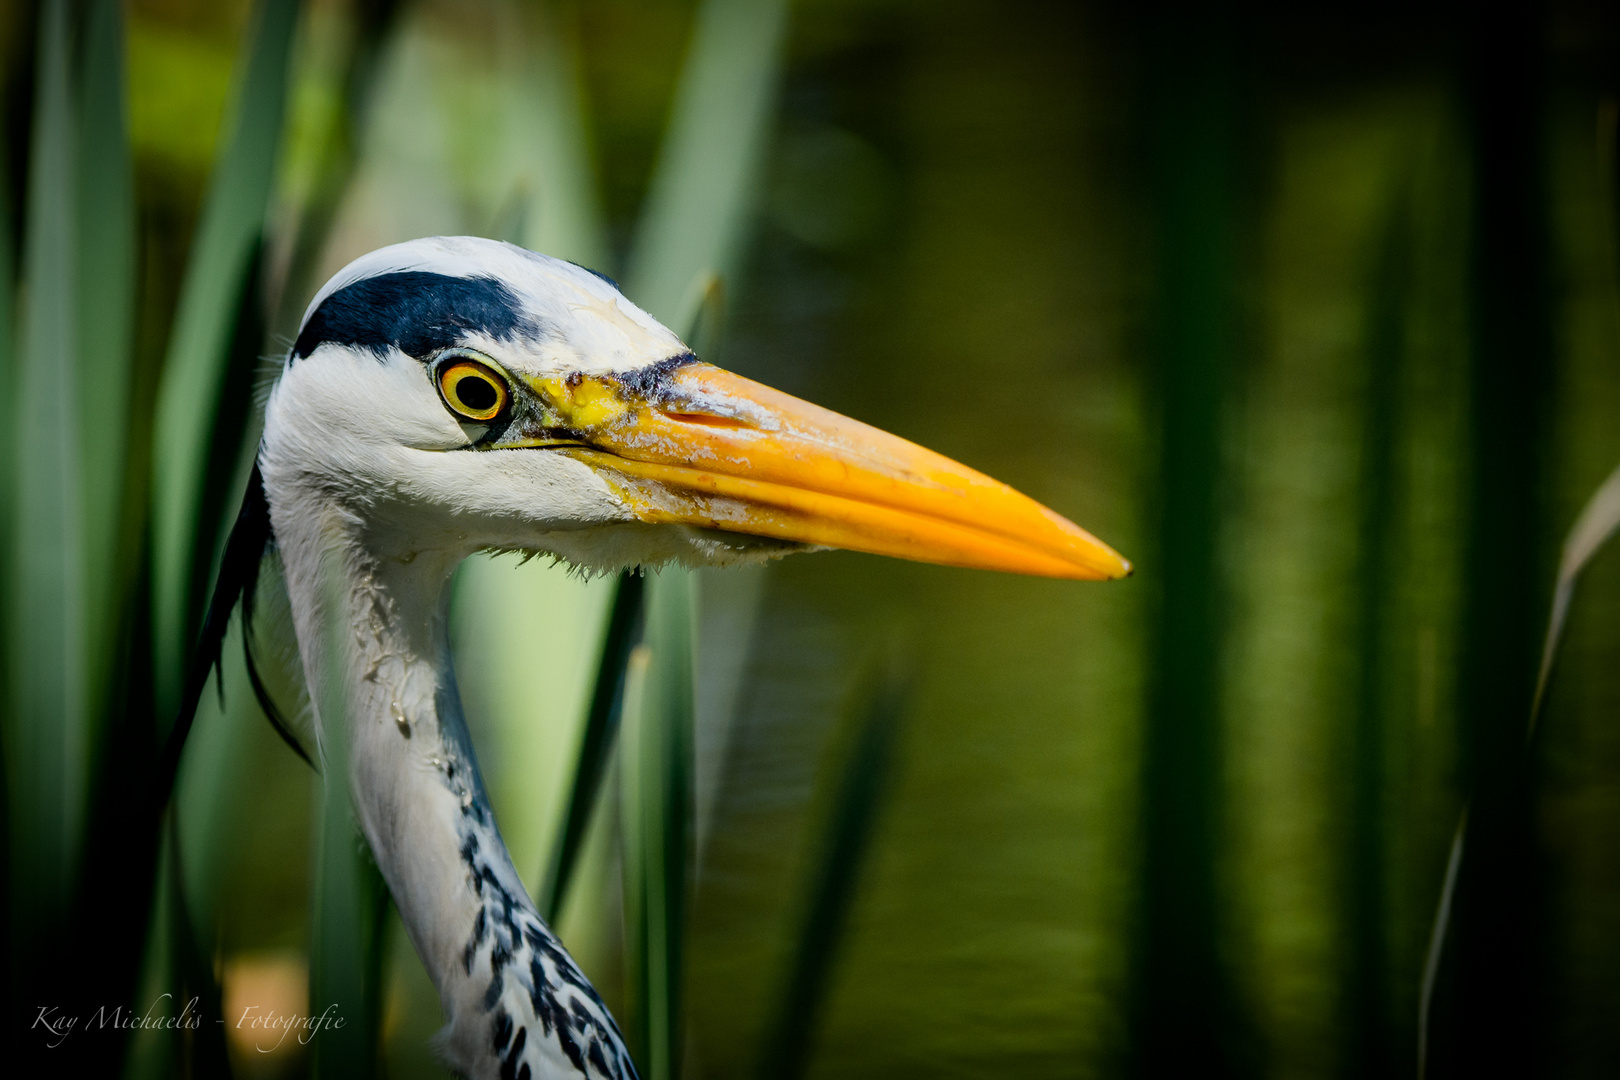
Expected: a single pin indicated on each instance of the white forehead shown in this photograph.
(596, 328)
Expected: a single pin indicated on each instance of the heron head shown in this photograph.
(458, 393)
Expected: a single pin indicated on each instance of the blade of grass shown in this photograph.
(46, 642)
(190, 783)
(705, 308)
(151, 1053)
(1598, 521)
(666, 774)
(121, 841)
(197, 777)
(106, 311)
(8, 298)
(1437, 942)
(564, 216)
(1366, 980)
(202, 401)
(221, 466)
(203, 802)
(703, 187)
(633, 792)
(194, 374)
(832, 886)
(370, 23)
(1180, 983)
(656, 761)
(1493, 965)
(203, 1055)
(602, 723)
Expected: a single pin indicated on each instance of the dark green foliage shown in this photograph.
(624, 631)
(830, 892)
(96, 767)
(1372, 1020)
(1310, 312)
(1183, 1022)
(1491, 978)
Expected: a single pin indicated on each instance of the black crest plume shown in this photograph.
(238, 580)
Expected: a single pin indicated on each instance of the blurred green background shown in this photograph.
(1314, 315)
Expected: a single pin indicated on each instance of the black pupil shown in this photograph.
(475, 393)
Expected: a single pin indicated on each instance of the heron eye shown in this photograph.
(473, 391)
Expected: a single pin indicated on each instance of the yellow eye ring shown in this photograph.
(472, 391)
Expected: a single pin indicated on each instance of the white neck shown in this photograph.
(518, 1005)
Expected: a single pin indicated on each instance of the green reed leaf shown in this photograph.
(336, 158)
(602, 723)
(707, 173)
(1597, 523)
(564, 214)
(667, 778)
(105, 266)
(195, 371)
(656, 761)
(1598, 520)
(634, 789)
(46, 738)
(8, 447)
(202, 400)
(831, 889)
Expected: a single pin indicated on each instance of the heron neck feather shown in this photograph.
(516, 1002)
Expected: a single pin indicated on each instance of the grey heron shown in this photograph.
(452, 395)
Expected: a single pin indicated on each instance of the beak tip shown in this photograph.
(1103, 563)
(1110, 566)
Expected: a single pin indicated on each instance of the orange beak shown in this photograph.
(694, 445)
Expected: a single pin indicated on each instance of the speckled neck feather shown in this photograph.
(518, 1005)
